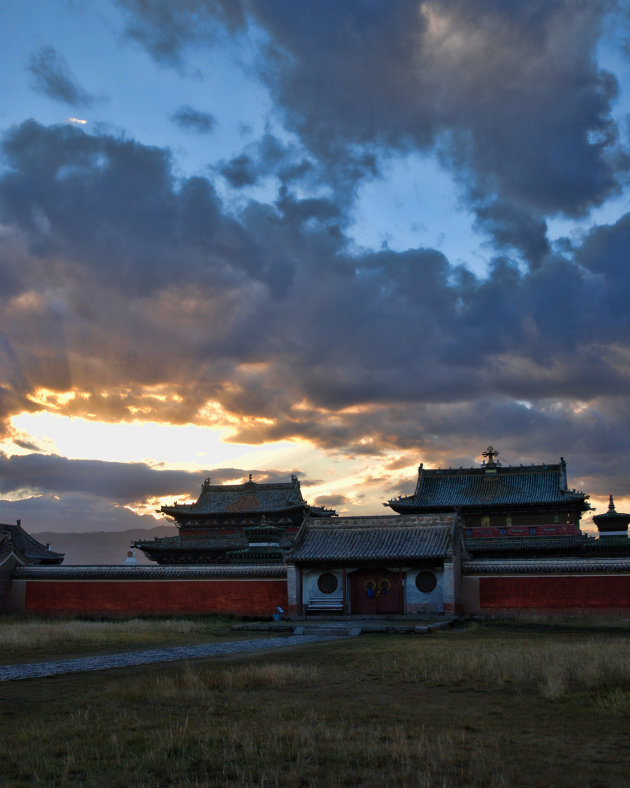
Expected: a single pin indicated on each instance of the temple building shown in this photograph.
(494, 540)
(500, 500)
(247, 523)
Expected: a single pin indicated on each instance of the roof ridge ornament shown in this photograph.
(490, 453)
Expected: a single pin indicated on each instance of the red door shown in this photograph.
(374, 591)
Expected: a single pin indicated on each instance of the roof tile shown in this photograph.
(375, 538)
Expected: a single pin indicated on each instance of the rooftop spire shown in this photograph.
(490, 453)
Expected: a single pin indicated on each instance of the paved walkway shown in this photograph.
(128, 659)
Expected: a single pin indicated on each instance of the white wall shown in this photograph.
(419, 602)
(312, 594)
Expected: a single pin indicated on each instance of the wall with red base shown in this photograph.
(558, 592)
(258, 597)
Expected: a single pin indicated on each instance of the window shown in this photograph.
(327, 583)
(426, 582)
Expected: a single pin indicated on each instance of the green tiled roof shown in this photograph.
(374, 538)
(243, 498)
(489, 486)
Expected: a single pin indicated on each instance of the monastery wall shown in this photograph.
(603, 590)
(487, 588)
(111, 591)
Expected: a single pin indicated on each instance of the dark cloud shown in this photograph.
(525, 127)
(51, 75)
(240, 171)
(267, 157)
(124, 483)
(331, 501)
(191, 119)
(165, 29)
(73, 512)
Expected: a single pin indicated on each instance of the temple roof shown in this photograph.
(489, 485)
(212, 542)
(534, 544)
(250, 497)
(14, 538)
(375, 538)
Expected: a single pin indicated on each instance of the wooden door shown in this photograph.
(374, 591)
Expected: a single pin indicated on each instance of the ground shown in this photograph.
(489, 704)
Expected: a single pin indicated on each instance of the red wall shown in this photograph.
(131, 597)
(560, 592)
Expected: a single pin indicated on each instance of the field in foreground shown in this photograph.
(488, 705)
(24, 639)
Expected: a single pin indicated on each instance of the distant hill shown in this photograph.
(101, 547)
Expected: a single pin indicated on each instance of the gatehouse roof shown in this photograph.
(361, 539)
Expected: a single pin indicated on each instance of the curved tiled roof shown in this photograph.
(488, 486)
(168, 543)
(148, 572)
(375, 538)
(27, 547)
(247, 497)
(494, 566)
(527, 543)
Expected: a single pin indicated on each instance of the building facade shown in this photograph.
(376, 565)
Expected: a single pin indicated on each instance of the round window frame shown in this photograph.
(426, 581)
(323, 580)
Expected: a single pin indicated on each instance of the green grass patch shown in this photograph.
(476, 707)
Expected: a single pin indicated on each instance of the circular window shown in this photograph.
(327, 583)
(426, 582)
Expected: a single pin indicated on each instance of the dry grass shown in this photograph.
(485, 706)
(551, 669)
(27, 639)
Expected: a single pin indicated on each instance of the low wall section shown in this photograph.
(547, 586)
(489, 587)
(149, 590)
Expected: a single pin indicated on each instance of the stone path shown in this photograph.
(128, 659)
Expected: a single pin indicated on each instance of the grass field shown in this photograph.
(487, 705)
(33, 640)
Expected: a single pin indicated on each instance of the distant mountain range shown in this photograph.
(101, 547)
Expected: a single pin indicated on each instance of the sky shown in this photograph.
(328, 238)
